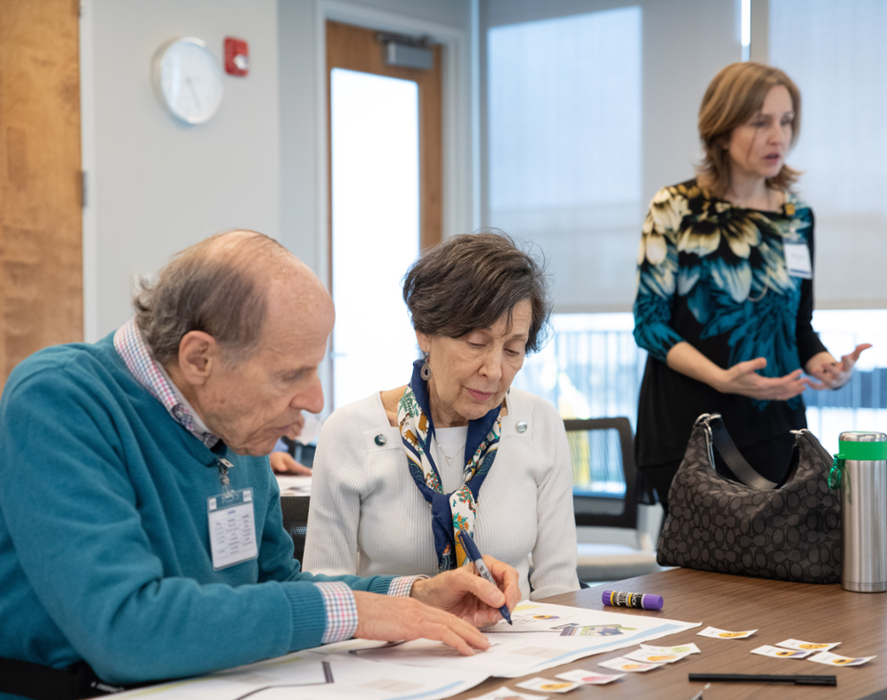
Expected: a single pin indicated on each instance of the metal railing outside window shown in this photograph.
(592, 368)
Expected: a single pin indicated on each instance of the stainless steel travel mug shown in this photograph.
(864, 511)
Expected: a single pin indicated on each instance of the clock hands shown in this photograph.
(193, 90)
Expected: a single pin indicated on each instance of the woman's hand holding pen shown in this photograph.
(467, 595)
(448, 608)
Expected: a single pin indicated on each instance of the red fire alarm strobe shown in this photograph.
(236, 56)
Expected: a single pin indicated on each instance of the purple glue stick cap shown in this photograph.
(651, 601)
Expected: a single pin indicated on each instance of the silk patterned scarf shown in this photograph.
(449, 511)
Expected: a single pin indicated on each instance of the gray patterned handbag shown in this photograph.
(754, 528)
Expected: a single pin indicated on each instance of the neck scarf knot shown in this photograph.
(449, 511)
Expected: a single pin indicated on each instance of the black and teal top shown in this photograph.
(714, 275)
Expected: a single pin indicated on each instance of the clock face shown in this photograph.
(188, 80)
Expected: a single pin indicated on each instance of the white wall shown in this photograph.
(156, 185)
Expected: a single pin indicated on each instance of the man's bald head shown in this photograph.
(221, 286)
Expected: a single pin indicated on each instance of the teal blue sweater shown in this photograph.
(104, 544)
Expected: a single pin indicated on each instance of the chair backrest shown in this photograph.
(603, 460)
(303, 454)
(295, 521)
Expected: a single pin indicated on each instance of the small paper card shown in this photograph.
(588, 677)
(620, 663)
(725, 634)
(826, 657)
(505, 693)
(679, 649)
(807, 646)
(544, 685)
(655, 657)
(780, 653)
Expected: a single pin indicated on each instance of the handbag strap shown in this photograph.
(741, 469)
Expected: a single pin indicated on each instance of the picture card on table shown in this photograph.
(725, 634)
(655, 657)
(826, 657)
(620, 663)
(807, 646)
(505, 693)
(589, 677)
(677, 649)
(543, 685)
(780, 653)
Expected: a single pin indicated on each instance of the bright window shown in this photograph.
(375, 223)
(565, 146)
(836, 53)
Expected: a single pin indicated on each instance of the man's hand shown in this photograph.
(464, 593)
(282, 463)
(396, 618)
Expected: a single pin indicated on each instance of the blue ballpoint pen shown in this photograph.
(474, 553)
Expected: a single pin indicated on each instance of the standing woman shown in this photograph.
(725, 288)
(398, 473)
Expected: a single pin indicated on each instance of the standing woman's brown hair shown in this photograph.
(733, 97)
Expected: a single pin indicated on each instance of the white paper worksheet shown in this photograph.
(543, 636)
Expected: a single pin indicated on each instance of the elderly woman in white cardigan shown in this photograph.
(397, 474)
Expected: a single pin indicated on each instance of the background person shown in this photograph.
(725, 290)
(282, 459)
(112, 456)
(396, 473)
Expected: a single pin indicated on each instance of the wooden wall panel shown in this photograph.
(41, 262)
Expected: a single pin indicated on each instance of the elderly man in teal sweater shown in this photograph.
(140, 525)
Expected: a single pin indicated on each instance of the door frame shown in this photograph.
(459, 143)
(91, 332)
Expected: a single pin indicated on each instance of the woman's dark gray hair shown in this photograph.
(470, 281)
(210, 288)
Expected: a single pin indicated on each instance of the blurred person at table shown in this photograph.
(282, 458)
(398, 473)
(725, 288)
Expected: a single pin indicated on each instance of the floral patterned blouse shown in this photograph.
(714, 274)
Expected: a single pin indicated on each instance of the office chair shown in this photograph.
(604, 496)
(303, 454)
(295, 521)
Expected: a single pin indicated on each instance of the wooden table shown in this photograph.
(777, 609)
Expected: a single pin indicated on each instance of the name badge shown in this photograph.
(232, 528)
(797, 260)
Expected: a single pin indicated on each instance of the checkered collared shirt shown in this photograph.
(338, 599)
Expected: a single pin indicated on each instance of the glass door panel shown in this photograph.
(375, 229)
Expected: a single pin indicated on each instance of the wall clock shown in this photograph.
(188, 79)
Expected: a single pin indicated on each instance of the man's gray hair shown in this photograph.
(208, 287)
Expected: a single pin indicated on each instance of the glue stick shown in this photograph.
(646, 601)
